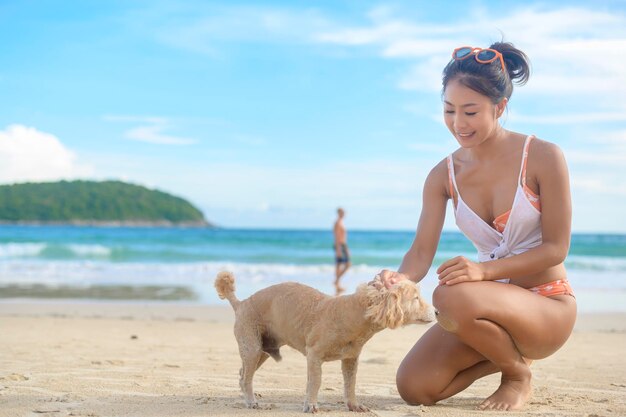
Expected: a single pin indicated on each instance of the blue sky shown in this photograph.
(272, 114)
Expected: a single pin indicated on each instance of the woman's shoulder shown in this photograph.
(544, 151)
(437, 179)
(440, 170)
(546, 159)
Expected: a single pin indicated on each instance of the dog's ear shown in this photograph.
(385, 306)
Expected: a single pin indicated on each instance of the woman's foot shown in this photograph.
(512, 394)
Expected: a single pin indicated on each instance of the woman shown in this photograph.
(511, 198)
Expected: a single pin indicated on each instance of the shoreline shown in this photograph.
(100, 359)
(161, 310)
(590, 300)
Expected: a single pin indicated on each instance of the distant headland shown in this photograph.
(95, 203)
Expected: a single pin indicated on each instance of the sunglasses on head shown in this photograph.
(484, 56)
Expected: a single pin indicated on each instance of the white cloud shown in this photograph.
(573, 118)
(250, 185)
(575, 50)
(599, 158)
(606, 157)
(599, 186)
(616, 138)
(137, 119)
(385, 32)
(421, 77)
(435, 148)
(203, 27)
(27, 154)
(150, 130)
(367, 189)
(153, 134)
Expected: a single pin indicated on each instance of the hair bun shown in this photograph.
(516, 61)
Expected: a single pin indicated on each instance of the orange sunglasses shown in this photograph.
(484, 56)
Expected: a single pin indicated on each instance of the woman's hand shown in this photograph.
(388, 278)
(460, 269)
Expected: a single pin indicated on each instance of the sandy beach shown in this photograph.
(73, 358)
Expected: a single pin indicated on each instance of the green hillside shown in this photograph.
(91, 202)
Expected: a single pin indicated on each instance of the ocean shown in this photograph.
(180, 264)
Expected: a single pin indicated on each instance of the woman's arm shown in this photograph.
(556, 213)
(419, 257)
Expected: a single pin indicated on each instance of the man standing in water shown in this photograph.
(342, 253)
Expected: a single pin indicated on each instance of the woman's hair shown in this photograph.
(490, 79)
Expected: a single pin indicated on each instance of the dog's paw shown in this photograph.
(310, 408)
(254, 405)
(359, 408)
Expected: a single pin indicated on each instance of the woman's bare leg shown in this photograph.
(505, 323)
(441, 364)
(438, 366)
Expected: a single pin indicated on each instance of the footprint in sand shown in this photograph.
(204, 400)
(46, 410)
(108, 362)
(377, 361)
(15, 377)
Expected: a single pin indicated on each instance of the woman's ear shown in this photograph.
(500, 107)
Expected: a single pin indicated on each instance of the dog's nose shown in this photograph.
(436, 312)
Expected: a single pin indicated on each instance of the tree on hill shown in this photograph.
(91, 201)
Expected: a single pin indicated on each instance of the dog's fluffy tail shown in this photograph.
(225, 286)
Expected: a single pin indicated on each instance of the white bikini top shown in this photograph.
(523, 227)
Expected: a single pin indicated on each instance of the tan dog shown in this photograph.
(321, 327)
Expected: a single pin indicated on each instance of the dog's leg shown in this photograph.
(251, 354)
(349, 368)
(262, 359)
(250, 362)
(314, 381)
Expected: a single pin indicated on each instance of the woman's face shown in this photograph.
(470, 116)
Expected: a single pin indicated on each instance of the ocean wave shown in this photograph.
(167, 254)
(90, 250)
(200, 276)
(53, 251)
(21, 250)
(595, 263)
(172, 253)
(250, 277)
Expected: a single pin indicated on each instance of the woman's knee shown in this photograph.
(454, 299)
(454, 306)
(413, 389)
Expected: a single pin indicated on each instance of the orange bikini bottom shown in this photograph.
(558, 287)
